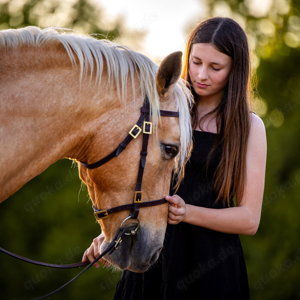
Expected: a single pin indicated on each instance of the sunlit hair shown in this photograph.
(233, 113)
(121, 63)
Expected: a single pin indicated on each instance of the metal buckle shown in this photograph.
(118, 242)
(101, 212)
(138, 200)
(144, 127)
(133, 128)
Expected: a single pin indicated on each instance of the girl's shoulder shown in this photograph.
(255, 120)
(257, 126)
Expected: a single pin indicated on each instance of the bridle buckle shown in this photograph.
(138, 128)
(101, 214)
(145, 129)
(138, 197)
(118, 242)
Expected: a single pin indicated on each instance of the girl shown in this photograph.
(202, 256)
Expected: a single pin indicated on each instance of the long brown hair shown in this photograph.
(233, 113)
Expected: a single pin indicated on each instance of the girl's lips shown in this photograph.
(201, 85)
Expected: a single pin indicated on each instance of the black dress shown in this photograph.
(196, 262)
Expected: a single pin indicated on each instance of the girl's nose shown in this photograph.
(202, 74)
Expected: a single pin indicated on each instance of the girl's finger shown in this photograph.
(174, 217)
(91, 256)
(174, 210)
(172, 199)
(104, 262)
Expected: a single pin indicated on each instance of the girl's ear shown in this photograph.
(168, 73)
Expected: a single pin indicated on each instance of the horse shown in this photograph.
(65, 95)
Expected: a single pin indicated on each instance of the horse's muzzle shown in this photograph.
(138, 251)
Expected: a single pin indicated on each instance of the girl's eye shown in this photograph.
(216, 69)
(196, 63)
(171, 150)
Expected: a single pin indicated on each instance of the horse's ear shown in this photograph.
(168, 73)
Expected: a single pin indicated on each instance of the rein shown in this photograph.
(111, 248)
(143, 125)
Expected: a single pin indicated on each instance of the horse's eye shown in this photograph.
(171, 150)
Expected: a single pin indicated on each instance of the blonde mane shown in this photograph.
(121, 62)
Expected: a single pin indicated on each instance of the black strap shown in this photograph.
(167, 113)
(163, 113)
(119, 149)
(70, 266)
(145, 110)
(138, 196)
(104, 213)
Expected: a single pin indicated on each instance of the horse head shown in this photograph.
(113, 184)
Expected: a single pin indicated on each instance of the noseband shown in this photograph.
(144, 126)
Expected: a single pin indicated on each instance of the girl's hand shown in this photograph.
(177, 209)
(94, 250)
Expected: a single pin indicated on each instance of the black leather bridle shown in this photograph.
(143, 125)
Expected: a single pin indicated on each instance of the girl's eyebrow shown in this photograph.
(214, 63)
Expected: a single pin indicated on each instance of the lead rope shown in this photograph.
(111, 248)
(39, 263)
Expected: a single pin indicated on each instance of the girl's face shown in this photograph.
(208, 70)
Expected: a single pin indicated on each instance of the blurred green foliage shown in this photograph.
(50, 218)
(81, 15)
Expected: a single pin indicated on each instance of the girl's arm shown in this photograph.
(245, 217)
